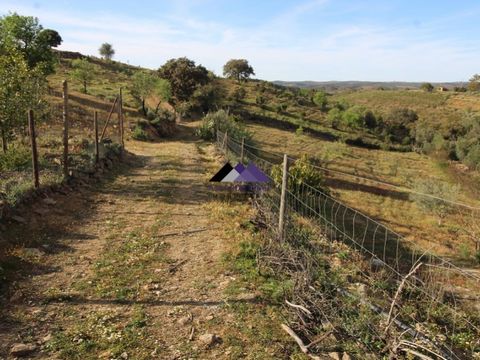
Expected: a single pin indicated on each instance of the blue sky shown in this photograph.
(405, 40)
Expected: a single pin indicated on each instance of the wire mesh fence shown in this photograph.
(439, 298)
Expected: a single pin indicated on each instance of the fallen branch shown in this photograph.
(397, 294)
(304, 309)
(299, 342)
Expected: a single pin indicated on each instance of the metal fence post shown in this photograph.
(65, 128)
(283, 196)
(33, 141)
(95, 125)
(242, 150)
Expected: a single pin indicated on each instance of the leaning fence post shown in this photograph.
(33, 141)
(283, 196)
(95, 125)
(242, 150)
(65, 128)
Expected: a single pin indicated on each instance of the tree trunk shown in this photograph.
(4, 141)
(143, 107)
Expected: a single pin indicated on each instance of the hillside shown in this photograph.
(358, 85)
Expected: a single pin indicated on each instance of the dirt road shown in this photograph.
(131, 268)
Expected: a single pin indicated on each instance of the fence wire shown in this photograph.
(439, 292)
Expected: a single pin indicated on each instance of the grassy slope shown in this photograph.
(402, 169)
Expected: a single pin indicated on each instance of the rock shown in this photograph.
(346, 357)
(184, 320)
(22, 349)
(19, 219)
(334, 355)
(209, 317)
(377, 263)
(124, 355)
(33, 252)
(208, 340)
(47, 338)
(49, 201)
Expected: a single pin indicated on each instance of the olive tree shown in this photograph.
(106, 51)
(83, 71)
(25, 35)
(238, 69)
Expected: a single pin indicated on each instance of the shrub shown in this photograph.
(334, 117)
(224, 122)
(302, 172)
(139, 133)
(353, 118)
(320, 99)
(164, 122)
(16, 158)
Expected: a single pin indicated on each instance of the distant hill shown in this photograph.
(342, 85)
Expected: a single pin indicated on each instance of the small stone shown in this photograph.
(47, 338)
(19, 219)
(124, 355)
(49, 201)
(22, 349)
(184, 320)
(209, 340)
(334, 355)
(346, 357)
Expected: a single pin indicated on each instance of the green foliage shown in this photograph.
(184, 77)
(439, 190)
(301, 172)
(334, 117)
(427, 87)
(139, 133)
(474, 83)
(224, 122)
(106, 51)
(164, 122)
(21, 89)
(399, 125)
(320, 99)
(83, 71)
(352, 118)
(239, 93)
(25, 35)
(16, 158)
(143, 85)
(468, 143)
(238, 69)
(205, 98)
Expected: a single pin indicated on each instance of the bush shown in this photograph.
(334, 117)
(164, 122)
(302, 172)
(16, 158)
(224, 122)
(139, 133)
(353, 118)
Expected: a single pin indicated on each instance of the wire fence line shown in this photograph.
(368, 179)
(440, 283)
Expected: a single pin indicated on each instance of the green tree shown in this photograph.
(162, 91)
(352, 118)
(26, 35)
(20, 89)
(238, 69)
(143, 85)
(106, 51)
(334, 117)
(83, 71)
(426, 87)
(474, 83)
(320, 99)
(184, 77)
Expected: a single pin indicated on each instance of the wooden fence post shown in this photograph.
(95, 125)
(33, 141)
(242, 150)
(120, 117)
(225, 142)
(283, 197)
(65, 128)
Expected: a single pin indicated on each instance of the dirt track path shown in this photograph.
(131, 267)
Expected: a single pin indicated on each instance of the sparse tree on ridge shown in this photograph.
(474, 83)
(106, 51)
(238, 69)
(427, 87)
